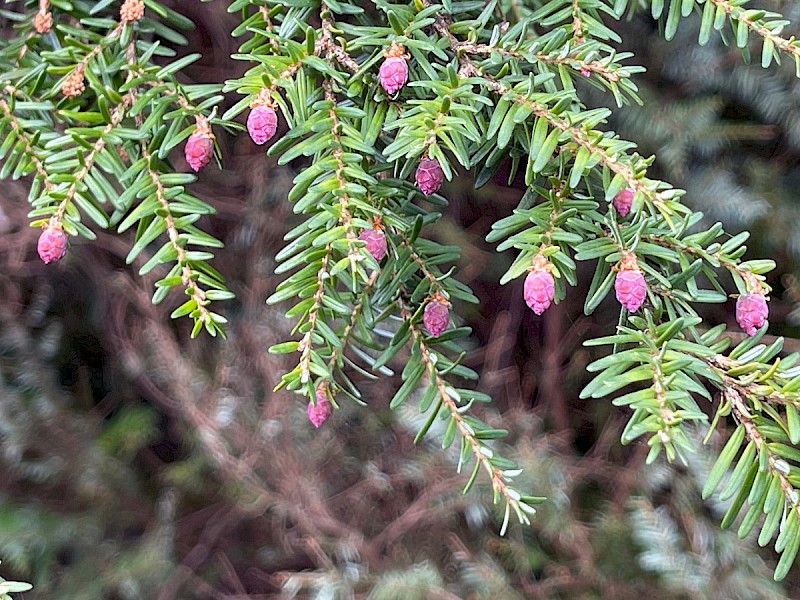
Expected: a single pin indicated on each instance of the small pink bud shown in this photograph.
(200, 145)
(318, 413)
(393, 73)
(376, 242)
(436, 317)
(429, 176)
(539, 289)
(751, 312)
(262, 123)
(52, 244)
(622, 201)
(631, 289)
(585, 72)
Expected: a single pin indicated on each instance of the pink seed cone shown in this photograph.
(198, 150)
(318, 413)
(539, 289)
(52, 244)
(631, 289)
(435, 318)
(393, 73)
(751, 312)
(376, 242)
(262, 123)
(622, 201)
(429, 176)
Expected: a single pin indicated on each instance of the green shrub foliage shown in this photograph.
(94, 113)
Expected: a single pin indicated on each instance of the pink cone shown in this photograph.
(52, 244)
(631, 289)
(393, 73)
(539, 289)
(429, 176)
(436, 317)
(376, 242)
(751, 312)
(622, 201)
(199, 148)
(318, 413)
(262, 123)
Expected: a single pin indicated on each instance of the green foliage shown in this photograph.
(10, 587)
(533, 112)
(714, 564)
(102, 154)
(486, 89)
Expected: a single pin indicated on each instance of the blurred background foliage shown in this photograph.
(135, 463)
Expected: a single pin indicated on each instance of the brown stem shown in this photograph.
(577, 22)
(327, 44)
(305, 343)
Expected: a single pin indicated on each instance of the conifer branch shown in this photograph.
(328, 45)
(578, 135)
(88, 162)
(423, 267)
(306, 343)
(355, 314)
(582, 138)
(480, 452)
(598, 66)
(577, 22)
(714, 256)
(754, 21)
(30, 152)
(456, 84)
(188, 276)
(345, 218)
(73, 82)
(778, 467)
